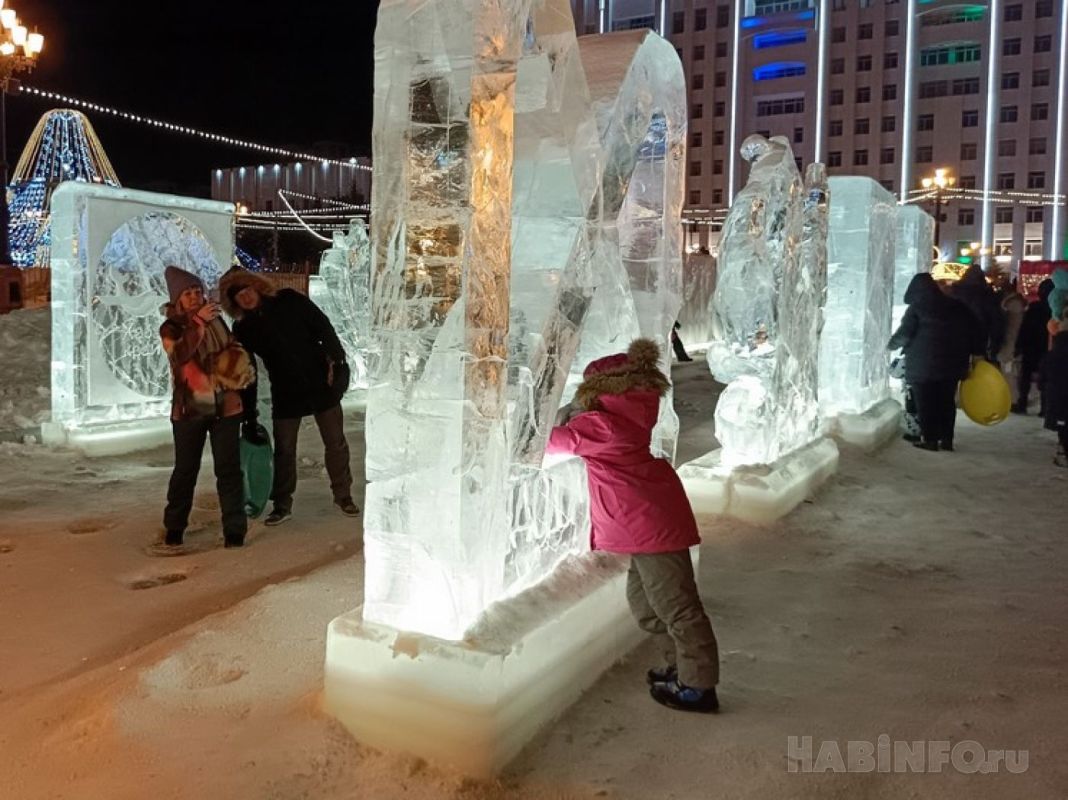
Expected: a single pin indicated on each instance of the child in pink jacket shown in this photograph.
(638, 507)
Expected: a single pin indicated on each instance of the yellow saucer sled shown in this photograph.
(985, 395)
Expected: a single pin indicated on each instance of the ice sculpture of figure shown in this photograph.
(860, 284)
(913, 254)
(110, 376)
(520, 212)
(343, 291)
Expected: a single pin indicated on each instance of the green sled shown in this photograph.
(257, 465)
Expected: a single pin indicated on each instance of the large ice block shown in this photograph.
(111, 386)
(854, 366)
(913, 254)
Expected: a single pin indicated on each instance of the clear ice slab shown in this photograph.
(913, 254)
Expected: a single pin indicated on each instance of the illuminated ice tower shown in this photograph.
(63, 147)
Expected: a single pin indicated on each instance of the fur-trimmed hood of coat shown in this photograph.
(237, 279)
(636, 370)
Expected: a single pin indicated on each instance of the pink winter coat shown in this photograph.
(637, 503)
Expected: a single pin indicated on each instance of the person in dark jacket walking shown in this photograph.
(306, 365)
(209, 369)
(1055, 391)
(1032, 344)
(938, 335)
(974, 292)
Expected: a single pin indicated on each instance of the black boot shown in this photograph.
(173, 538)
(685, 698)
(233, 540)
(946, 444)
(926, 445)
(662, 674)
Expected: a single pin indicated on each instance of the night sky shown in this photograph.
(280, 74)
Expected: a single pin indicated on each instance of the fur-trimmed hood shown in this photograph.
(637, 369)
(237, 279)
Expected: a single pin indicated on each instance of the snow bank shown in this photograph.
(25, 359)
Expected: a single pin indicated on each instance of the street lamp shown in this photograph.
(941, 181)
(18, 53)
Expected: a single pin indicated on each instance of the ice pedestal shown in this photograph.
(111, 383)
(872, 429)
(759, 494)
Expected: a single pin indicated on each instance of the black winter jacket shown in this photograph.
(1055, 383)
(938, 334)
(299, 347)
(973, 291)
(1033, 340)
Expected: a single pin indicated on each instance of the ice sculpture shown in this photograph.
(110, 248)
(854, 367)
(766, 308)
(913, 253)
(342, 289)
(517, 209)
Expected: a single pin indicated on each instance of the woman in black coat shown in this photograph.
(1055, 391)
(974, 292)
(938, 335)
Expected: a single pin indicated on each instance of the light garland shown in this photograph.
(170, 126)
(326, 200)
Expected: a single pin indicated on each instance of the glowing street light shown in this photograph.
(939, 182)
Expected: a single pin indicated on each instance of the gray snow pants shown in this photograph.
(663, 597)
(331, 425)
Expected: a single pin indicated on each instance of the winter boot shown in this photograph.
(173, 538)
(1061, 457)
(233, 540)
(926, 445)
(946, 444)
(911, 437)
(685, 698)
(662, 674)
(1019, 407)
(348, 508)
(277, 517)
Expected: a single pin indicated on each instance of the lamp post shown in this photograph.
(939, 182)
(18, 53)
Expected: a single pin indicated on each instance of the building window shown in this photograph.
(1009, 114)
(774, 108)
(723, 16)
(717, 137)
(837, 66)
(889, 124)
(860, 158)
(1043, 8)
(1006, 180)
(721, 77)
(1034, 213)
(678, 22)
(969, 118)
(890, 91)
(888, 184)
(717, 167)
(720, 108)
(698, 81)
(864, 30)
(1040, 77)
(721, 49)
(1043, 43)
(698, 52)
(863, 63)
(863, 94)
(799, 135)
(1014, 13)
(1010, 47)
(1036, 180)
(924, 154)
(925, 122)
(862, 125)
(834, 158)
(1007, 147)
(950, 54)
(929, 89)
(1039, 111)
(1033, 248)
(969, 151)
(965, 216)
(1037, 147)
(696, 138)
(835, 128)
(695, 197)
(966, 182)
(886, 155)
(697, 111)
(893, 28)
(770, 72)
(700, 19)
(889, 60)
(799, 164)
(838, 35)
(695, 169)
(1003, 215)
(952, 15)
(966, 86)
(1010, 80)
(837, 97)
(717, 196)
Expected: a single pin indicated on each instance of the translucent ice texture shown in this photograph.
(520, 213)
(860, 285)
(110, 249)
(766, 310)
(343, 292)
(914, 252)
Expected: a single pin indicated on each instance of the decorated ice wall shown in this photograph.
(520, 212)
(854, 366)
(110, 248)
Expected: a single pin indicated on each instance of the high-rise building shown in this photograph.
(891, 89)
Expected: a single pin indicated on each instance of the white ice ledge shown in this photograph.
(872, 429)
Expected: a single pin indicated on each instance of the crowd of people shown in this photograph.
(948, 326)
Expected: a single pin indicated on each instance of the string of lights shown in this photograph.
(186, 129)
(326, 201)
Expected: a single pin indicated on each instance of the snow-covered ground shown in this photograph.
(25, 360)
(921, 595)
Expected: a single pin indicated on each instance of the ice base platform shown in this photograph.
(758, 494)
(872, 429)
(109, 439)
(473, 705)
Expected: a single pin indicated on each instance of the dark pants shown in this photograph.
(679, 348)
(936, 406)
(332, 431)
(663, 597)
(189, 437)
(1029, 367)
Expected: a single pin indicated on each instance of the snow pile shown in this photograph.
(25, 359)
